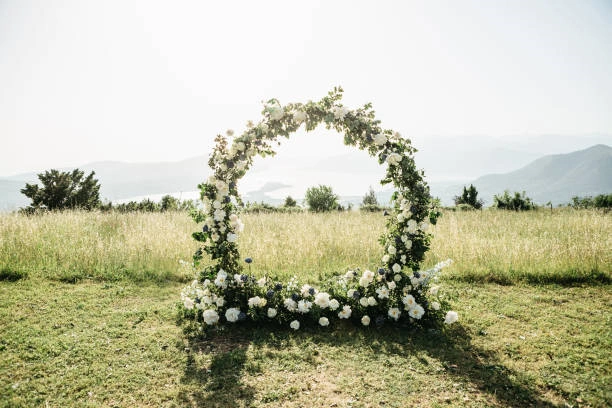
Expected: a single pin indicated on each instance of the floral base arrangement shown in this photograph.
(397, 291)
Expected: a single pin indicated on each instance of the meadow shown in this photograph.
(89, 317)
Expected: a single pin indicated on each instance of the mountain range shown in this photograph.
(555, 178)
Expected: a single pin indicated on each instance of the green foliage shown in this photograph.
(167, 203)
(599, 201)
(370, 199)
(469, 197)
(63, 190)
(516, 202)
(321, 199)
(265, 208)
(290, 202)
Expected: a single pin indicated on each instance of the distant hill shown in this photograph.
(556, 178)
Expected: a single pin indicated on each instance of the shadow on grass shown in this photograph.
(567, 278)
(220, 384)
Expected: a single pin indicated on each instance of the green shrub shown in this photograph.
(321, 199)
(516, 202)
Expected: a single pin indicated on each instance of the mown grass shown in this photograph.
(115, 338)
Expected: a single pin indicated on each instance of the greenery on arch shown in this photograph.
(396, 291)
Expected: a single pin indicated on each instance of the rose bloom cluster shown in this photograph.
(365, 298)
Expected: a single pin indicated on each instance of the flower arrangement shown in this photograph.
(396, 291)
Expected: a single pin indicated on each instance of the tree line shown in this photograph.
(73, 190)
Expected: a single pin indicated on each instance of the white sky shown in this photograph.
(82, 81)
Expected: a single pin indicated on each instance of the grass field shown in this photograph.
(88, 315)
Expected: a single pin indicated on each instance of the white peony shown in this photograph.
(188, 303)
(221, 280)
(394, 159)
(412, 226)
(409, 301)
(219, 215)
(290, 305)
(340, 112)
(276, 112)
(231, 314)
(210, 316)
(386, 258)
(350, 293)
(417, 311)
(435, 305)
(434, 290)
(380, 139)
(372, 301)
(334, 304)
(365, 320)
(304, 306)
(324, 321)
(231, 237)
(397, 277)
(394, 313)
(396, 268)
(392, 250)
(363, 302)
(219, 301)
(383, 292)
(271, 312)
(451, 317)
(294, 325)
(256, 302)
(322, 300)
(299, 116)
(391, 285)
(345, 313)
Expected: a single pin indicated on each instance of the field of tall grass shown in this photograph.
(564, 246)
(89, 318)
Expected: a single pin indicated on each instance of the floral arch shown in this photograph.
(396, 291)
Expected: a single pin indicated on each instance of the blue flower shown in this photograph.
(356, 294)
(381, 271)
(244, 278)
(269, 293)
(205, 229)
(248, 260)
(242, 316)
(417, 275)
(311, 291)
(295, 297)
(278, 286)
(197, 300)
(227, 199)
(380, 320)
(385, 213)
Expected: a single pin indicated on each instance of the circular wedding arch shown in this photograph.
(406, 239)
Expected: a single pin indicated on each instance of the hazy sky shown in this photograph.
(146, 81)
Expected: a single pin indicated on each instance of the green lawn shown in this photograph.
(116, 340)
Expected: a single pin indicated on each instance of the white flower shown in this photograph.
(264, 127)
(240, 146)
(305, 291)
(188, 303)
(403, 257)
(221, 280)
(365, 320)
(380, 139)
(276, 112)
(349, 275)
(451, 317)
(250, 124)
(363, 302)
(396, 268)
(408, 246)
(383, 292)
(219, 301)
(412, 226)
(435, 305)
(322, 300)
(334, 304)
(256, 302)
(231, 237)
(324, 321)
(391, 285)
(304, 306)
(385, 258)
(340, 112)
(345, 313)
(424, 226)
(210, 316)
(394, 313)
(290, 305)
(409, 301)
(216, 204)
(294, 325)
(299, 116)
(262, 282)
(434, 290)
(229, 132)
(397, 277)
(366, 278)
(241, 165)
(219, 215)
(417, 311)
(231, 314)
(394, 159)
(372, 301)
(391, 250)
(414, 282)
(271, 312)
(400, 217)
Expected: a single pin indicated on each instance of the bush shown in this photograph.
(516, 202)
(600, 201)
(290, 202)
(469, 197)
(321, 199)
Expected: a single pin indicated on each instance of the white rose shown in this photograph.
(324, 321)
(363, 301)
(188, 303)
(372, 301)
(365, 320)
(391, 250)
(294, 325)
(231, 314)
(451, 317)
(276, 113)
(380, 139)
(334, 304)
(396, 268)
(271, 312)
(299, 116)
(435, 305)
(210, 317)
